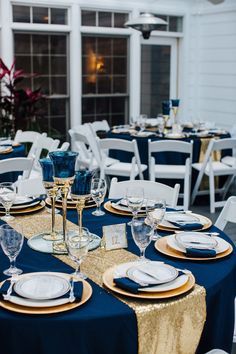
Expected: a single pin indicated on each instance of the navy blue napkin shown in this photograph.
(200, 253)
(38, 199)
(131, 286)
(187, 226)
(78, 290)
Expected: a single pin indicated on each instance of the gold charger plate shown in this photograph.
(109, 283)
(112, 210)
(87, 292)
(206, 224)
(162, 246)
(71, 205)
(27, 210)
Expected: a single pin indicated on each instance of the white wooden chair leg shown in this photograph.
(227, 185)
(186, 192)
(196, 187)
(212, 192)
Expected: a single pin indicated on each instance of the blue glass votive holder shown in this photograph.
(47, 169)
(82, 182)
(166, 108)
(175, 103)
(63, 163)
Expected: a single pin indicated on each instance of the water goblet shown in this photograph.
(77, 245)
(155, 211)
(142, 122)
(7, 197)
(98, 192)
(134, 199)
(11, 242)
(142, 234)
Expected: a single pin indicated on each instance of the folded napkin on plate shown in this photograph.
(200, 253)
(133, 287)
(187, 226)
(33, 200)
(78, 290)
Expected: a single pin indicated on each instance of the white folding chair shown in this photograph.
(212, 169)
(30, 187)
(100, 125)
(31, 137)
(47, 145)
(17, 164)
(126, 169)
(64, 146)
(167, 171)
(228, 214)
(152, 190)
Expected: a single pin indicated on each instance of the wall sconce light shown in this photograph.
(145, 23)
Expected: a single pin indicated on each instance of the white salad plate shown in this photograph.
(42, 286)
(222, 245)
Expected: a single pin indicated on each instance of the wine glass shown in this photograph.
(142, 122)
(98, 192)
(134, 199)
(11, 242)
(77, 245)
(7, 197)
(155, 211)
(142, 234)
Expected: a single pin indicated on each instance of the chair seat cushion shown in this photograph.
(123, 169)
(218, 167)
(170, 171)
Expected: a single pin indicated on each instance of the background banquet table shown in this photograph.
(105, 324)
(18, 151)
(199, 147)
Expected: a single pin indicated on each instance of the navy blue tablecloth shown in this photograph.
(104, 324)
(218, 278)
(18, 151)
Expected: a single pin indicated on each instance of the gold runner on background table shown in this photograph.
(170, 326)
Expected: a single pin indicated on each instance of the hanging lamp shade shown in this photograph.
(145, 23)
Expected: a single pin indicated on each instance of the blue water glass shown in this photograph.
(47, 169)
(63, 163)
(82, 182)
(166, 108)
(175, 103)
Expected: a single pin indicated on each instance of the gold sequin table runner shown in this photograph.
(164, 327)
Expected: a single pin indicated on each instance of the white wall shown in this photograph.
(212, 66)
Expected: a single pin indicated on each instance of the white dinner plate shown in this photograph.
(42, 286)
(152, 273)
(181, 217)
(221, 247)
(201, 220)
(174, 135)
(195, 240)
(38, 303)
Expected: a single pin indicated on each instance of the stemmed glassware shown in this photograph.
(142, 234)
(7, 198)
(134, 199)
(155, 212)
(98, 192)
(77, 245)
(11, 242)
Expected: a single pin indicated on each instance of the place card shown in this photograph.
(115, 236)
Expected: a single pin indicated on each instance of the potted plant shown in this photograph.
(17, 104)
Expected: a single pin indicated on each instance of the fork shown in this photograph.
(7, 296)
(71, 295)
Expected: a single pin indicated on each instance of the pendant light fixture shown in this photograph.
(145, 23)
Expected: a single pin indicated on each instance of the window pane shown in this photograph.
(104, 84)
(89, 84)
(40, 44)
(88, 18)
(22, 43)
(120, 19)
(57, 107)
(104, 19)
(88, 45)
(21, 14)
(23, 63)
(58, 44)
(41, 65)
(119, 66)
(88, 106)
(59, 16)
(58, 65)
(175, 24)
(40, 15)
(119, 85)
(59, 85)
(104, 46)
(42, 82)
(120, 46)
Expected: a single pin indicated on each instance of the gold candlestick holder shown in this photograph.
(63, 184)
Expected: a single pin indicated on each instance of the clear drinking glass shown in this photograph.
(134, 199)
(77, 246)
(98, 192)
(7, 197)
(11, 242)
(142, 234)
(155, 211)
